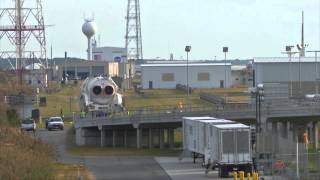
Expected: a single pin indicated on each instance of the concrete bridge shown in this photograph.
(155, 129)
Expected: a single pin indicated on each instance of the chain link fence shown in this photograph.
(286, 157)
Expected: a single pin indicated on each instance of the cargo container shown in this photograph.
(195, 132)
(230, 148)
(223, 144)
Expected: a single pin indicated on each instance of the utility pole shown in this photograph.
(188, 49)
(225, 51)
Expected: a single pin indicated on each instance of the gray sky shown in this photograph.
(251, 28)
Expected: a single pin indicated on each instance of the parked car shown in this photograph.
(28, 125)
(55, 123)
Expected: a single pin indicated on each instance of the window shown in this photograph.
(190, 130)
(167, 77)
(97, 57)
(203, 76)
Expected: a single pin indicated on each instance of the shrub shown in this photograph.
(24, 157)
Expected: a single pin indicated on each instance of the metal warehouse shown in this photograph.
(200, 75)
(297, 73)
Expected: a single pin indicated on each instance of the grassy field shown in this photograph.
(66, 99)
(161, 99)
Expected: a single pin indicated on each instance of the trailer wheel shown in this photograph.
(223, 172)
(248, 169)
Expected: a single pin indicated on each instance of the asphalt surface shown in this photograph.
(106, 167)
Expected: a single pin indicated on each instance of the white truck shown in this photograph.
(222, 143)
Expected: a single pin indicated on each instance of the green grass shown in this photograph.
(161, 99)
(61, 100)
(156, 99)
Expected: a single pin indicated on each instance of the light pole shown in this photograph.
(65, 67)
(187, 49)
(316, 70)
(259, 95)
(225, 50)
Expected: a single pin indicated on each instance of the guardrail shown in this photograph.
(230, 111)
(213, 99)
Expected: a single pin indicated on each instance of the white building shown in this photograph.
(84, 69)
(299, 75)
(281, 69)
(110, 54)
(35, 75)
(201, 75)
(241, 75)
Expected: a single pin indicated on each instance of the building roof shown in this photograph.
(283, 59)
(36, 66)
(183, 65)
(238, 68)
(231, 126)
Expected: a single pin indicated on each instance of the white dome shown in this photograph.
(89, 28)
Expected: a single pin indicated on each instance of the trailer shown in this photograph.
(223, 144)
(195, 134)
(230, 148)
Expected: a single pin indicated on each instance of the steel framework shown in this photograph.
(18, 24)
(133, 31)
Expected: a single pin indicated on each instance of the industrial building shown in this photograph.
(109, 54)
(35, 75)
(81, 69)
(200, 75)
(84, 69)
(299, 74)
(241, 75)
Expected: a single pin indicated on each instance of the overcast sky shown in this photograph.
(251, 28)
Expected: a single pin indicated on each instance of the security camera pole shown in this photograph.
(225, 50)
(188, 49)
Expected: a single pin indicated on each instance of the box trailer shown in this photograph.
(229, 148)
(195, 133)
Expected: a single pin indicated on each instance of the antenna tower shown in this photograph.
(302, 47)
(22, 26)
(133, 31)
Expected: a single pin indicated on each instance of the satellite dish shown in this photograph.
(298, 46)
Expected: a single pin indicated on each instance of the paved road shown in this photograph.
(110, 167)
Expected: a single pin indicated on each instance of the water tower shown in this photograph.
(89, 28)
